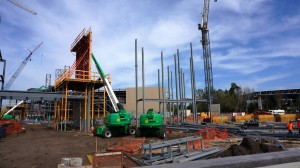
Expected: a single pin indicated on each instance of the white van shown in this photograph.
(277, 112)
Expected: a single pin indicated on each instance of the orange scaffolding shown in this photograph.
(78, 77)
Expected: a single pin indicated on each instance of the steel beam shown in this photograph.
(25, 95)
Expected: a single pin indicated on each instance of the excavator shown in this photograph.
(118, 121)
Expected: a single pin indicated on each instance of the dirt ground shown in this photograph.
(40, 147)
(249, 146)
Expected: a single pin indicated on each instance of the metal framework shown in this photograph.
(179, 99)
(169, 149)
(48, 80)
(20, 68)
(259, 95)
(209, 85)
(2, 76)
(278, 92)
(79, 78)
(36, 96)
(22, 6)
(79, 74)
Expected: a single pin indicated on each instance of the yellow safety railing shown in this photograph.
(79, 75)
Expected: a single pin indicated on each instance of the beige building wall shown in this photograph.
(150, 93)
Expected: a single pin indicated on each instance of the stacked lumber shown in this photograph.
(238, 119)
(220, 119)
(265, 118)
(246, 117)
(286, 117)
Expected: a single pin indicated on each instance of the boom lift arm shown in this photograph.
(22, 101)
(108, 88)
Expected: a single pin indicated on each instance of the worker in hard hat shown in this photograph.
(298, 125)
(289, 126)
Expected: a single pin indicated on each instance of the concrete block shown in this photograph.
(73, 162)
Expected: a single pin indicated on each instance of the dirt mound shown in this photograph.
(247, 147)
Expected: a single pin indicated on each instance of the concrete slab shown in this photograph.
(284, 165)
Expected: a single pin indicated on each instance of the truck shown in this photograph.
(151, 124)
(277, 112)
(115, 122)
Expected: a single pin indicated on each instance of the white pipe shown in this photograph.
(22, 101)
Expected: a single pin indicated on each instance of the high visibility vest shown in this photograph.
(289, 126)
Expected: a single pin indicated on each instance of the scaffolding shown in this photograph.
(79, 79)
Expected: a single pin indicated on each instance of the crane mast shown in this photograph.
(20, 68)
(207, 54)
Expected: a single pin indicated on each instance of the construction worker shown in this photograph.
(298, 125)
(289, 126)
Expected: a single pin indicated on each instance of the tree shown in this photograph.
(252, 107)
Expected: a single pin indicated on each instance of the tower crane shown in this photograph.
(20, 68)
(17, 3)
(207, 54)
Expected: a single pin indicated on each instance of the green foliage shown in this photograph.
(240, 99)
(252, 107)
(231, 100)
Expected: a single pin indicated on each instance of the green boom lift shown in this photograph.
(151, 124)
(118, 121)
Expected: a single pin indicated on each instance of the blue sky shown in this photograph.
(254, 43)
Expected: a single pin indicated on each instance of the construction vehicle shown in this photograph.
(6, 115)
(118, 121)
(151, 124)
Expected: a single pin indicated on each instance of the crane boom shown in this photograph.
(22, 6)
(108, 88)
(20, 68)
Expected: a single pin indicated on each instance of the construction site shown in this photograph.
(82, 121)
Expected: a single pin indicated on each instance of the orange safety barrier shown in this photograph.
(212, 134)
(130, 145)
(12, 127)
(195, 145)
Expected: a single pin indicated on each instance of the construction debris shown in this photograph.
(72, 163)
(129, 145)
(10, 127)
(113, 160)
(249, 146)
